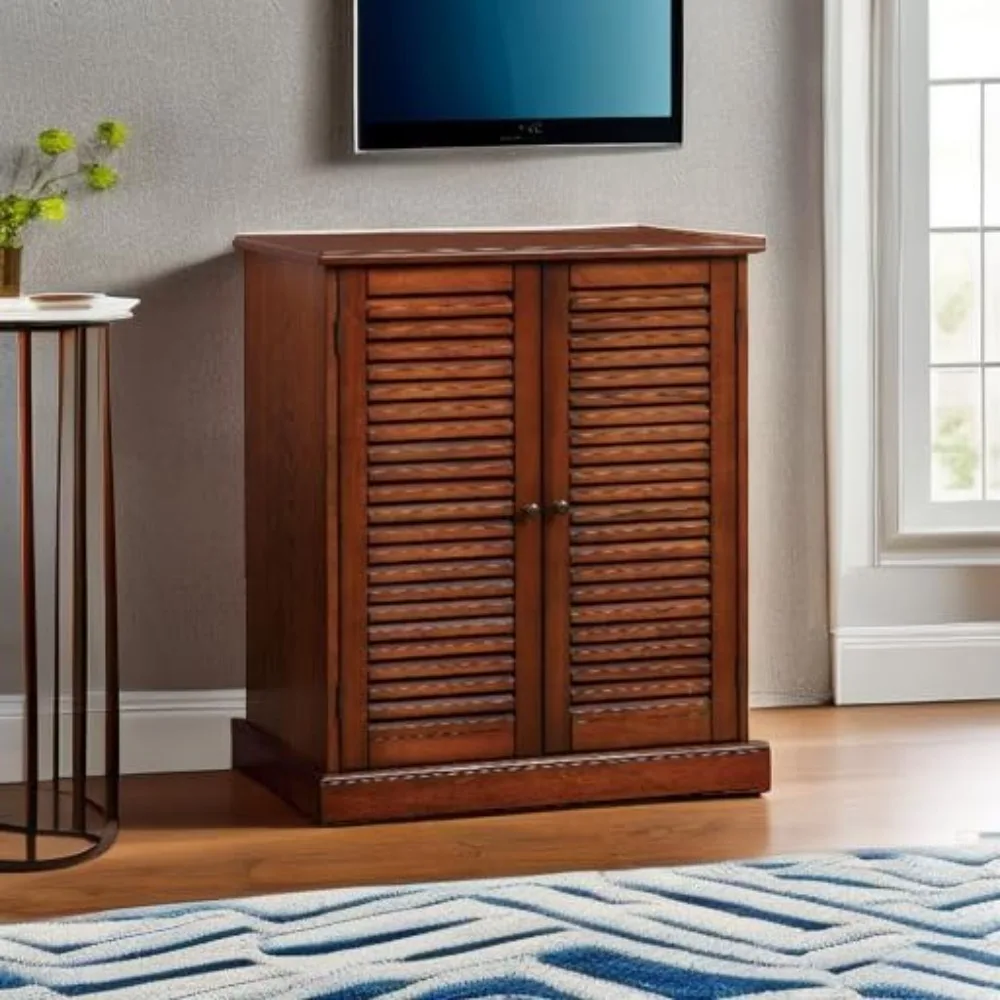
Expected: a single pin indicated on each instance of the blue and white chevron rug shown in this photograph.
(915, 926)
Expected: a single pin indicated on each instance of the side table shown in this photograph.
(63, 823)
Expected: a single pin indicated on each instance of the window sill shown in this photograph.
(945, 547)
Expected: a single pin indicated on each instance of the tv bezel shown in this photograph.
(502, 133)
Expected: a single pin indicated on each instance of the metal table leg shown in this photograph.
(49, 836)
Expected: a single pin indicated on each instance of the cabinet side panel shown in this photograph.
(332, 522)
(743, 435)
(285, 410)
(725, 504)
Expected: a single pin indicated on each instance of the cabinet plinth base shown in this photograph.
(729, 769)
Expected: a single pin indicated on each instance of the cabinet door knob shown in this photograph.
(531, 510)
(561, 507)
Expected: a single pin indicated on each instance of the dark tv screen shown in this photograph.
(432, 73)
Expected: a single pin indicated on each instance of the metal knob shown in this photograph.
(531, 510)
(561, 507)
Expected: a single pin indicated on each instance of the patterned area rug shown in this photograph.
(913, 926)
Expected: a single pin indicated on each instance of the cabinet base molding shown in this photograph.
(736, 769)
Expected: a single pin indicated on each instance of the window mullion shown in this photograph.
(983, 437)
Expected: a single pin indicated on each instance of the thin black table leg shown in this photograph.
(80, 624)
(29, 594)
(112, 764)
(57, 595)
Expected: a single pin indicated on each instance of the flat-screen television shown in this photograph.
(453, 73)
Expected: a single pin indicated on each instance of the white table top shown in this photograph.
(23, 314)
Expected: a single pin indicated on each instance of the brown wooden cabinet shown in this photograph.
(496, 520)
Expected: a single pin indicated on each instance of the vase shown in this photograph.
(10, 272)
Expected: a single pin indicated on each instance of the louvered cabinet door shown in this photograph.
(641, 482)
(440, 548)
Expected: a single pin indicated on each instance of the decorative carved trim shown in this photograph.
(676, 707)
(534, 765)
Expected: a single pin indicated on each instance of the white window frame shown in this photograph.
(862, 113)
(912, 526)
(851, 383)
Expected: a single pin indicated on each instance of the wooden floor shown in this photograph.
(871, 777)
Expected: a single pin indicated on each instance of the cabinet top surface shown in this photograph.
(416, 246)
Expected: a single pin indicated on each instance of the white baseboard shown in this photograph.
(880, 666)
(771, 700)
(161, 732)
(176, 731)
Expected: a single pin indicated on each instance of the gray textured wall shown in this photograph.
(238, 108)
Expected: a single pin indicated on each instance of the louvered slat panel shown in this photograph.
(437, 329)
(464, 531)
(642, 473)
(438, 371)
(622, 410)
(641, 531)
(692, 425)
(636, 611)
(379, 413)
(411, 690)
(432, 307)
(441, 350)
(419, 593)
(422, 472)
(422, 513)
(582, 322)
(642, 670)
(641, 492)
(438, 491)
(631, 571)
(641, 360)
(436, 573)
(636, 690)
(684, 451)
(656, 590)
(639, 339)
(640, 483)
(441, 493)
(667, 298)
(640, 552)
(628, 652)
(436, 552)
(448, 430)
(681, 510)
(419, 392)
(442, 610)
(663, 405)
(452, 669)
(441, 708)
(592, 634)
(439, 451)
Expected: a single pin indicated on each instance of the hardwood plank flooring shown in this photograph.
(862, 777)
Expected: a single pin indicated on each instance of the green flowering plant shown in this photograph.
(55, 167)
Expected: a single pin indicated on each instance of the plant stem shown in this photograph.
(45, 188)
(18, 171)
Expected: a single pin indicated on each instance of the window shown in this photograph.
(946, 461)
